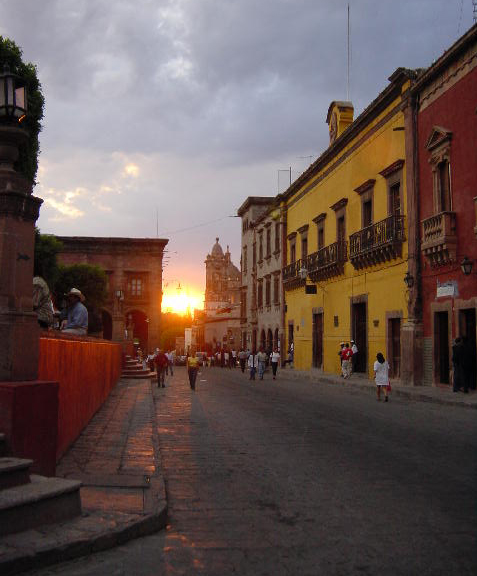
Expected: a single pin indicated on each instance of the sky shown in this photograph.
(163, 116)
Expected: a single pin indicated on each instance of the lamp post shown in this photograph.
(19, 210)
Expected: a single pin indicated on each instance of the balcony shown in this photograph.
(439, 238)
(377, 243)
(328, 261)
(291, 275)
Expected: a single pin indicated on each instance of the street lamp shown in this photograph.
(13, 100)
(466, 266)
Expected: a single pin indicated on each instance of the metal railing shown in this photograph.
(292, 271)
(331, 255)
(380, 235)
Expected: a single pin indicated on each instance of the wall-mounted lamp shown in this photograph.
(120, 295)
(303, 272)
(409, 279)
(466, 266)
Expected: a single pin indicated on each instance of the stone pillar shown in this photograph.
(412, 330)
(19, 210)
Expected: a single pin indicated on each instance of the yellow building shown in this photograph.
(346, 229)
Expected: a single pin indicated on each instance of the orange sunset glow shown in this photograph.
(180, 302)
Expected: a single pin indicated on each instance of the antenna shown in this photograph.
(347, 85)
(474, 6)
(157, 222)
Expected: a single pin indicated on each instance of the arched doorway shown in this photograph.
(275, 339)
(263, 340)
(269, 341)
(107, 322)
(138, 323)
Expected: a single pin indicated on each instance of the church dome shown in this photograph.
(217, 249)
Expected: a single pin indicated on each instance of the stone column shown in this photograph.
(19, 210)
(412, 330)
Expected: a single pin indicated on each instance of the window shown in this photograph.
(277, 237)
(443, 174)
(367, 213)
(254, 254)
(276, 289)
(340, 229)
(304, 247)
(135, 287)
(439, 146)
(268, 291)
(395, 199)
(339, 209)
(260, 247)
(260, 293)
(244, 260)
(269, 243)
(321, 236)
(320, 230)
(292, 245)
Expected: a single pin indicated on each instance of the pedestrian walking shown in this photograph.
(242, 359)
(274, 360)
(381, 376)
(252, 364)
(354, 358)
(234, 358)
(262, 362)
(346, 355)
(340, 354)
(458, 362)
(161, 363)
(170, 359)
(192, 368)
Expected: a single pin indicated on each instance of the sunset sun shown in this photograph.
(181, 302)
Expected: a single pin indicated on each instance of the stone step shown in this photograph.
(133, 367)
(42, 501)
(3, 445)
(14, 472)
(135, 372)
(142, 376)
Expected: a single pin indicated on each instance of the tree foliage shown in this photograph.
(47, 248)
(11, 54)
(92, 281)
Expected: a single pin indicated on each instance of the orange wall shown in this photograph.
(87, 370)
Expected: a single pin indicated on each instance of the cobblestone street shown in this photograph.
(288, 477)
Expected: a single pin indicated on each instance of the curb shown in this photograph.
(400, 391)
(83, 543)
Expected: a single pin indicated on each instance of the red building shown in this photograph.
(446, 174)
(134, 270)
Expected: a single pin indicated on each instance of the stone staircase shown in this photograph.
(133, 369)
(28, 500)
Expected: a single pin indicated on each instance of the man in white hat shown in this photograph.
(77, 321)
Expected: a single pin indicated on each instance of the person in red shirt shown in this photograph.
(346, 355)
(161, 361)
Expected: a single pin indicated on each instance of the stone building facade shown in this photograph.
(134, 270)
(261, 316)
(221, 320)
(446, 142)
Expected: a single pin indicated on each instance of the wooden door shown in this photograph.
(317, 328)
(360, 335)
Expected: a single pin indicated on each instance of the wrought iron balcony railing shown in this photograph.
(377, 243)
(328, 261)
(439, 238)
(291, 274)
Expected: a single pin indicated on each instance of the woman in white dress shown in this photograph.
(381, 376)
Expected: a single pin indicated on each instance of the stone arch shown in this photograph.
(137, 325)
(263, 339)
(269, 347)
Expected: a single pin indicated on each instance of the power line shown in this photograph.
(193, 227)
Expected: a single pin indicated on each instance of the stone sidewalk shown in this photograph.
(123, 496)
(435, 394)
